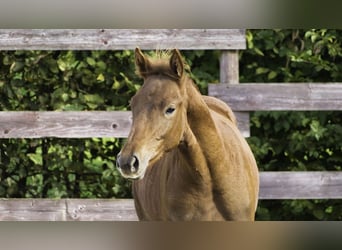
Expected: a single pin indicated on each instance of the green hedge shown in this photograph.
(295, 140)
(105, 80)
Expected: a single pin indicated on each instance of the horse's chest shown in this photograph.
(161, 196)
(191, 203)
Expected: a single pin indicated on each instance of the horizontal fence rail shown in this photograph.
(64, 124)
(122, 39)
(301, 185)
(279, 96)
(74, 124)
(67, 210)
(240, 97)
(273, 185)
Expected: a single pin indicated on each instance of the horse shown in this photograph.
(186, 157)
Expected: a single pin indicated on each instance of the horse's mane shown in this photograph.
(159, 64)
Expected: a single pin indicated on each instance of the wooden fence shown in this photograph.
(84, 124)
(274, 185)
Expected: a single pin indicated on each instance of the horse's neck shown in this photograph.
(212, 149)
(203, 129)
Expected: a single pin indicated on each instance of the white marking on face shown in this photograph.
(145, 156)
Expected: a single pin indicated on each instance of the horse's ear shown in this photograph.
(142, 64)
(176, 63)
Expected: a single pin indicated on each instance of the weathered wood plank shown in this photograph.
(64, 124)
(229, 73)
(279, 96)
(229, 67)
(32, 210)
(243, 123)
(101, 209)
(74, 124)
(273, 185)
(301, 185)
(121, 39)
(67, 210)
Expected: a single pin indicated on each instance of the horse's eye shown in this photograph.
(169, 110)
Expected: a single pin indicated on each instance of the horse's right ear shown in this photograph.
(142, 64)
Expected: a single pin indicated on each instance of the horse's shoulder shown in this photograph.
(220, 107)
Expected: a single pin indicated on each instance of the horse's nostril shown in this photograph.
(127, 165)
(134, 163)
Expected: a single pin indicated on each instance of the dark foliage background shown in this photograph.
(295, 140)
(105, 80)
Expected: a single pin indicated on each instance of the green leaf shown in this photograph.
(61, 64)
(36, 158)
(261, 70)
(65, 97)
(318, 213)
(53, 66)
(116, 85)
(258, 51)
(100, 77)
(17, 66)
(271, 75)
(101, 65)
(91, 61)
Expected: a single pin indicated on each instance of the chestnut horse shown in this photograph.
(184, 151)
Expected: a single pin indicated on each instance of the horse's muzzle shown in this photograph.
(128, 166)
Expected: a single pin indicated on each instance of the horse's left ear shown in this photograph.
(142, 63)
(176, 63)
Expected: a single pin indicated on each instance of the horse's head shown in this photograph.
(159, 114)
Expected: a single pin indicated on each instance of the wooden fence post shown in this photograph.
(229, 74)
(229, 67)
